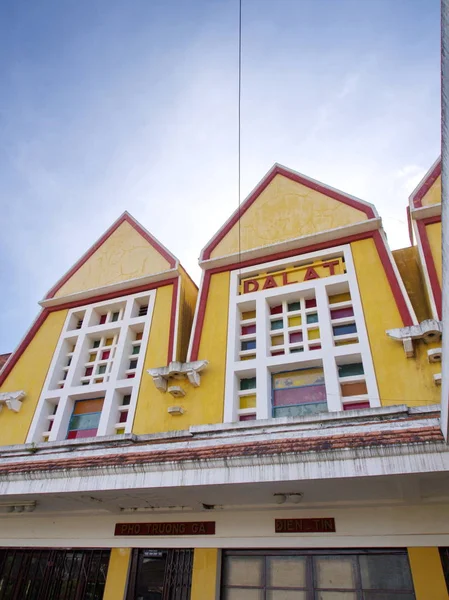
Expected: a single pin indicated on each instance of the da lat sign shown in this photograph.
(184, 528)
(322, 525)
(298, 274)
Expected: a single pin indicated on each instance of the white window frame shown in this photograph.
(264, 365)
(112, 390)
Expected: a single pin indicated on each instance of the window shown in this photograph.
(297, 327)
(321, 575)
(100, 354)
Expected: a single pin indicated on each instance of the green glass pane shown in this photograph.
(294, 306)
(277, 324)
(248, 384)
(126, 399)
(101, 369)
(296, 350)
(85, 421)
(349, 370)
(313, 318)
(96, 344)
(115, 316)
(136, 350)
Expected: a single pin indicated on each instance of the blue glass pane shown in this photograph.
(249, 345)
(277, 324)
(344, 329)
(85, 421)
(313, 318)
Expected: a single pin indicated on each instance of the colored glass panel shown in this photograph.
(249, 345)
(101, 370)
(302, 377)
(139, 335)
(82, 433)
(247, 329)
(300, 410)
(88, 371)
(294, 321)
(105, 354)
(340, 313)
(249, 314)
(247, 417)
(345, 342)
(344, 329)
(303, 395)
(335, 299)
(92, 357)
(132, 364)
(312, 318)
(350, 370)
(313, 334)
(355, 405)
(135, 350)
(292, 306)
(248, 401)
(88, 406)
(84, 383)
(293, 350)
(87, 421)
(115, 316)
(276, 310)
(130, 376)
(353, 389)
(109, 341)
(278, 353)
(296, 337)
(69, 362)
(315, 347)
(277, 340)
(311, 303)
(249, 357)
(99, 380)
(248, 383)
(123, 417)
(96, 344)
(103, 319)
(126, 400)
(278, 324)
(120, 431)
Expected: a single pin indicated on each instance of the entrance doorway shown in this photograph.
(160, 574)
(50, 574)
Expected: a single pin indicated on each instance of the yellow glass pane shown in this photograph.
(92, 357)
(251, 314)
(248, 401)
(277, 340)
(248, 357)
(120, 431)
(313, 334)
(283, 381)
(109, 341)
(346, 342)
(294, 321)
(339, 298)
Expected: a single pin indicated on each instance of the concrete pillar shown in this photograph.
(117, 577)
(206, 574)
(427, 573)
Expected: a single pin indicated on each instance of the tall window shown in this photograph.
(92, 384)
(297, 342)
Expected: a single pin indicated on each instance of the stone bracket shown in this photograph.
(428, 331)
(163, 376)
(12, 400)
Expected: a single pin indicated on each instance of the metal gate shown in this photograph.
(160, 574)
(49, 574)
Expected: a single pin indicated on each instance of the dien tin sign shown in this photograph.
(185, 528)
(326, 525)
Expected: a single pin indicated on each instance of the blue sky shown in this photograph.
(113, 105)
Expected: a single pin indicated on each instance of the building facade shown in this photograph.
(274, 435)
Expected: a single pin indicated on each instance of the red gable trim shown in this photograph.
(46, 311)
(278, 170)
(381, 249)
(425, 185)
(125, 217)
(430, 263)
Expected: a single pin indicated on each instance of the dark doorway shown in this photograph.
(50, 574)
(160, 574)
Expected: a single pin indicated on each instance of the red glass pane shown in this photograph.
(83, 433)
(247, 418)
(130, 376)
(103, 319)
(105, 354)
(315, 347)
(248, 329)
(277, 353)
(276, 310)
(296, 337)
(300, 395)
(311, 303)
(88, 371)
(50, 425)
(123, 417)
(355, 405)
(339, 313)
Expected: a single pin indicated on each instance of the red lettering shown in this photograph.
(311, 274)
(250, 282)
(331, 266)
(284, 279)
(269, 283)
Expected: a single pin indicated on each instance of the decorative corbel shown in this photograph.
(428, 331)
(175, 371)
(13, 400)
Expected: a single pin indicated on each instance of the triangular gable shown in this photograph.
(286, 205)
(125, 251)
(428, 190)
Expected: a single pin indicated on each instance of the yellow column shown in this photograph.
(427, 573)
(117, 576)
(205, 574)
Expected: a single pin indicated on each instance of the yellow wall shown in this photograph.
(201, 405)
(189, 294)
(285, 210)
(400, 380)
(433, 196)
(427, 573)
(434, 235)
(28, 375)
(409, 265)
(205, 574)
(117, 576)
(124, 255)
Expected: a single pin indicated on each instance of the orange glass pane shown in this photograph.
(251, 314)
(88, 406)
(354, 389)
(139, 335)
